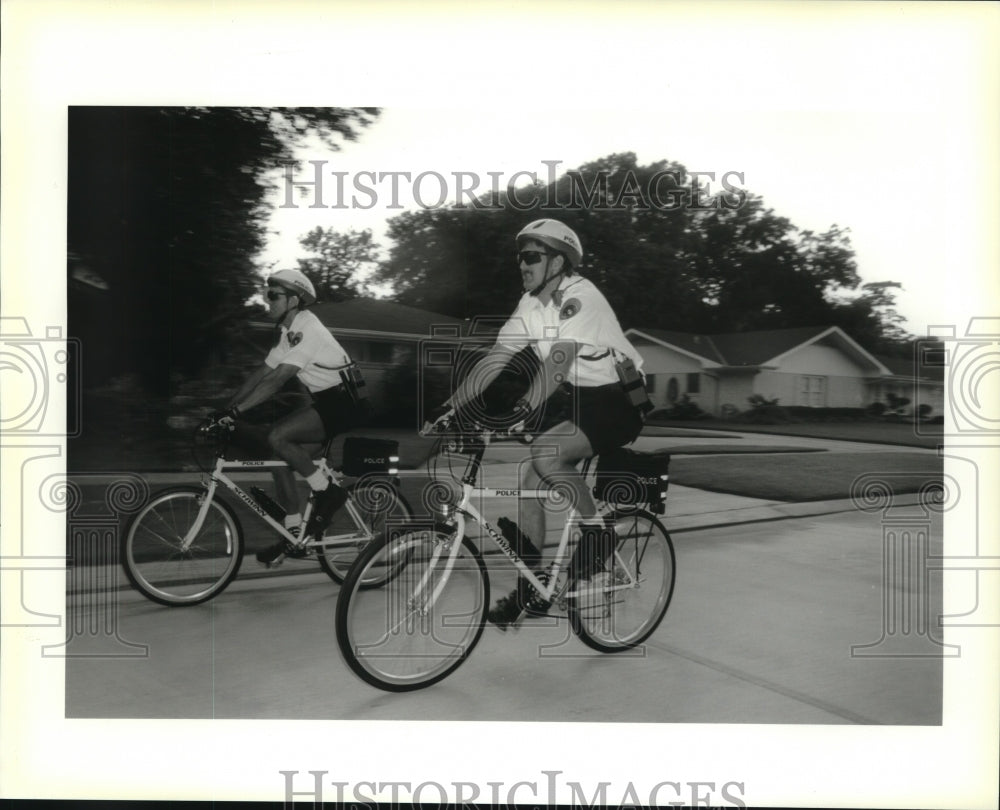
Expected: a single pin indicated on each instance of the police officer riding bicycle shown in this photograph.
(305, 349)
(584, 407)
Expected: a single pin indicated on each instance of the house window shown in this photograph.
(694, 383)
(379, 351)
(672, 389)
(812, 391)
(368, 351)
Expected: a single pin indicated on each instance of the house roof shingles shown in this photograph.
(375, 315)
(738, 348)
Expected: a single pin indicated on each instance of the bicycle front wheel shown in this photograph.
(425, 621)
(159, 565)
(378, 504)
(620, 607)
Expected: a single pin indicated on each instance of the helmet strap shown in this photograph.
(290, 312)
(535, 292)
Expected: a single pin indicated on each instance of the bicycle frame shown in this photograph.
(466, 510)
(218, 476)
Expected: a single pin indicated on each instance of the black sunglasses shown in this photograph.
(274, 295)
(530, 257)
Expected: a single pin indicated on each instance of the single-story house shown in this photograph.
(819, 367)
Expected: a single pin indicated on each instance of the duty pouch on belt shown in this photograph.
(354, 384)
(632, 383)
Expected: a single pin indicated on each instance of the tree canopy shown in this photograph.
(338, 261)
(667, 248)
(166, 206)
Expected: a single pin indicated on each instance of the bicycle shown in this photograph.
(422, 624)
(186, 545)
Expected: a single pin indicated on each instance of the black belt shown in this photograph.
(594, 356)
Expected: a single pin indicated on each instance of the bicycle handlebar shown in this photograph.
(475, 429)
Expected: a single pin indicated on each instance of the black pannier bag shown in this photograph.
(629, 477)
(362, 456)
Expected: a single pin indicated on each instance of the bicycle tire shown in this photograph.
(383, 638)
(613, 621)
(154, 562)
(336, 561)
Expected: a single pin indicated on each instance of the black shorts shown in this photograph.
(336, 411)
(603, 413)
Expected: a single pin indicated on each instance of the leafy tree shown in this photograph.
(757, 271)
(665, 250)
(872, 320)
(167, 207)
(460, 261)
(340, 260)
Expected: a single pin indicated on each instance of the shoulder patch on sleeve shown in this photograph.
(570, 308)
(294, 338)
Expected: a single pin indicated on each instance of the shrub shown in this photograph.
(764, 411)
(924, 411)
(802, 413)
(729, 411)
(685, 409)
(896, 402)
(876, 409)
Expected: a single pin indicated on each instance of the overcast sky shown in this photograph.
(845, 128)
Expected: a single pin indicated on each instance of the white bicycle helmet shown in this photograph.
(553, 234)
(296, 283)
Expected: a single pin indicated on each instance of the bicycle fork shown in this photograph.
(199, 521)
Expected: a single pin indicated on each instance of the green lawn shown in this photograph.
(807, 476)
(900, 433)
(716, 449)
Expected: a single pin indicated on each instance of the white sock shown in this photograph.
(318, 480)
(291, 521)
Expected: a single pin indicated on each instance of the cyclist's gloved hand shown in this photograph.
(519, 416)
(520, 413)
(225, 418)
(438, 419)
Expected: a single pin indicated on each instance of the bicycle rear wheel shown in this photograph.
(379, 503)
(401, 636)
(162, 570)
(620, 608)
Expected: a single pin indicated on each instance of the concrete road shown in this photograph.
(761, 629)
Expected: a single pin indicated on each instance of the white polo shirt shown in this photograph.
(308, 344)
(579, 312)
